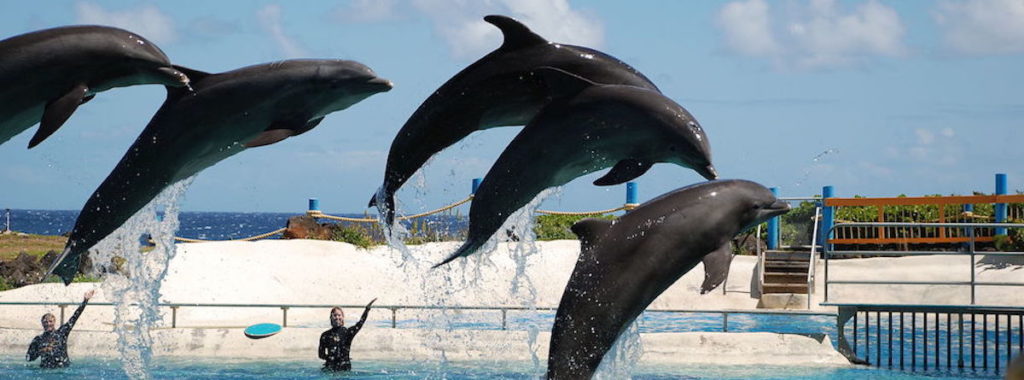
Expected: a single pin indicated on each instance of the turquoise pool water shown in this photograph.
(90, 368)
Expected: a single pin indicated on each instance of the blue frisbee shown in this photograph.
(262, 330)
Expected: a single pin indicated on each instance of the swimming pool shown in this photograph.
(13, 368)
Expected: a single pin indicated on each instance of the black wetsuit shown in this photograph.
(336, 343)
(52, 346)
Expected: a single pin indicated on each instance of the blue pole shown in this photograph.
(827, 215)
(773, 226)
(1001, 207)
(476, 184)
(632, 193)
(314, 204)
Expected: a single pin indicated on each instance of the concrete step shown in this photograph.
(785, 278)
(788, 255)
(783, 301)
(780, 266)
(784, 288)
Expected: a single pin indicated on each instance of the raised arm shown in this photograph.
(359, 325)
(66, 328)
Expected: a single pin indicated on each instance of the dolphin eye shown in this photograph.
(755, 206)
(671, 148)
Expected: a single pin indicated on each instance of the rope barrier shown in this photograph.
(578, 213)
(320, 215)
(251, 238)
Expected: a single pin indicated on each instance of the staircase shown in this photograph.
(784, 277)
(786, 272)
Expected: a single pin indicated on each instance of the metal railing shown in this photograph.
(725, 313)
(959, 331)
(813, 259)
(829, 252)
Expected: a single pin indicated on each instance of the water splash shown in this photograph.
(807, 170)
(621, 359)
(133, 277)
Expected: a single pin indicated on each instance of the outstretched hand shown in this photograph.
(89, 294)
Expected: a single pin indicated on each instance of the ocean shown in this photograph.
(205, 225)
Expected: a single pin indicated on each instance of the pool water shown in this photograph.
(92, 368)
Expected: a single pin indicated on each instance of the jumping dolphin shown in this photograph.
(224, 114)
(47, 74)
(626, 263)
(588, 127)
(500, 89)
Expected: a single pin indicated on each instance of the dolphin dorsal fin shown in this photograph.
(561, 83)
(517, 35)
(590, 231)
(194, 76)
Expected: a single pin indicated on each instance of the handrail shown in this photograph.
(910, 201)
(394, 309)
(973, 283)
(814, 257)
(760, 261)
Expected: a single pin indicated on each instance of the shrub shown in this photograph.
(557, 227)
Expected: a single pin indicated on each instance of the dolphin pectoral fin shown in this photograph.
(87, 99)
(309, 125)
(269, 137)
(280, 130)
(517, 35)
(624, 171)
(589, 230)
(562, 83)
(716, 267)
(58, 111)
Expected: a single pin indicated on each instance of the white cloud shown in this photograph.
(367, 11)
(460, 23)
(924, 136)
(148, 20)
(813, 34)
(747, 28)
(270, 20)
(939, 147)
(979, 27)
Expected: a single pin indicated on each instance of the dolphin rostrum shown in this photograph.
(626, 263)
(500, 89)
(47, 74)
(223, 114)
(588, 127)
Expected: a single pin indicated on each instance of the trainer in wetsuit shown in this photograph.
(52, 344)
(336, 342)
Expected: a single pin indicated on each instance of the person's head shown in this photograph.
(49, 322)
(337, 317)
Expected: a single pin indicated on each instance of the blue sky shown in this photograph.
(875, 98)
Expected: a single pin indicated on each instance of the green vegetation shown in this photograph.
(557, 227)
(36, 245)
(356, 235)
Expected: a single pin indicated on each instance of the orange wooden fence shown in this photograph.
(945, 210)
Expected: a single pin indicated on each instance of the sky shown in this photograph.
(875, 98)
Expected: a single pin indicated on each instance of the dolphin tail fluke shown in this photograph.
(385, 203)
(465, 250)
(65, 266)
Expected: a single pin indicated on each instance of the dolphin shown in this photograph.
(588, 127)
(500, 89)
(626, 263)
(47, 74)
(222, 115)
